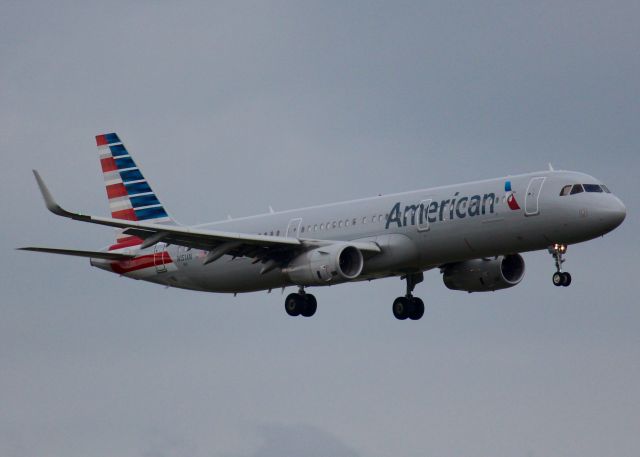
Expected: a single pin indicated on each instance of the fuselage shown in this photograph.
(416, 230)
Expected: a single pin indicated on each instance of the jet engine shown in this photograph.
(325, 265)
(484, 275)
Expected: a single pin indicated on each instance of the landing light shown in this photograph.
(562, 248)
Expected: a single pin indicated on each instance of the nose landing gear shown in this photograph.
(559, 278)
(409, 306)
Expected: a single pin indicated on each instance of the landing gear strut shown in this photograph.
(301, 304)
(409, 306)
(559, 278)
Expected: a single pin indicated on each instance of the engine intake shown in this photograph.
(325, 265)
(484, 275)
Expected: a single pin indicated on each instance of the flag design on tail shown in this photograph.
(130, 195)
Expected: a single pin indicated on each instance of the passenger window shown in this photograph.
(321, 226)
(334, 224)
(340, 224)
(565, 190)
(301, 230)
(346, 223)
(354, 221)
(592, 188)
(278, 233)
(576, 189)
(364, 220)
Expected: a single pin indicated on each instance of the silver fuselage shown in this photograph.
(416, 231)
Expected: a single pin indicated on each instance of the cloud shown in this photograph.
(298, 441)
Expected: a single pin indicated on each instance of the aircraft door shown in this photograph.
(159, 257)
(531, 206)
(293, 229)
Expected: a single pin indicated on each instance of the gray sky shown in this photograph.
(230, 107)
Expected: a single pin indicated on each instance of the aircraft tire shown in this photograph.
(557, 279)
(401, 307)
(566, 279)
(293, 304)
(310, 305)
(416, 309)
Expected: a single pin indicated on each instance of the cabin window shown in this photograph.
(321, 226)
(354, 221)
(364, 220)
(340, 224)
(301, 230)
(334, 225)
(576, 189)
(347, 223)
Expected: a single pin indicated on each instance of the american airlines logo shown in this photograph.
(431, 211)
(511, 199)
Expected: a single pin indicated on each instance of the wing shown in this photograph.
(77, 253)
(273, 251)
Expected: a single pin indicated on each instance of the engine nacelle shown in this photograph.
(484, 275)
(325, 265)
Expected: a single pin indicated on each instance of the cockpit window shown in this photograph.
(592, 188)
(576, 189)
(565, 190)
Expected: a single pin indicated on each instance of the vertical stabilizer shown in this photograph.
(129, 193)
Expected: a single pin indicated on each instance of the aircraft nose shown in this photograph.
(614, 213)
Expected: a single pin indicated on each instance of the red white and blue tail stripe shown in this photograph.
(130, 195)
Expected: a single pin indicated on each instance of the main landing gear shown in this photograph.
(560, 278)
(301, 304)
(409, 306)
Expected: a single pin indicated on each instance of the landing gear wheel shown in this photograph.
(401, 307)
(294, 304)
(310, 305)
(416, 309)
(558, 279)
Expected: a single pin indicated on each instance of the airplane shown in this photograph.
(472, 232)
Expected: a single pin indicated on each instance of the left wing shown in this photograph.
(77, 253)
(274, 251)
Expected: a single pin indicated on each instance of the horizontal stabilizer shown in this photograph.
(90, 254)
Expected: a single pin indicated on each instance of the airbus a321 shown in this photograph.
(472, 232)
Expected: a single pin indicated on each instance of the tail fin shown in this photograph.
(130, 195)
